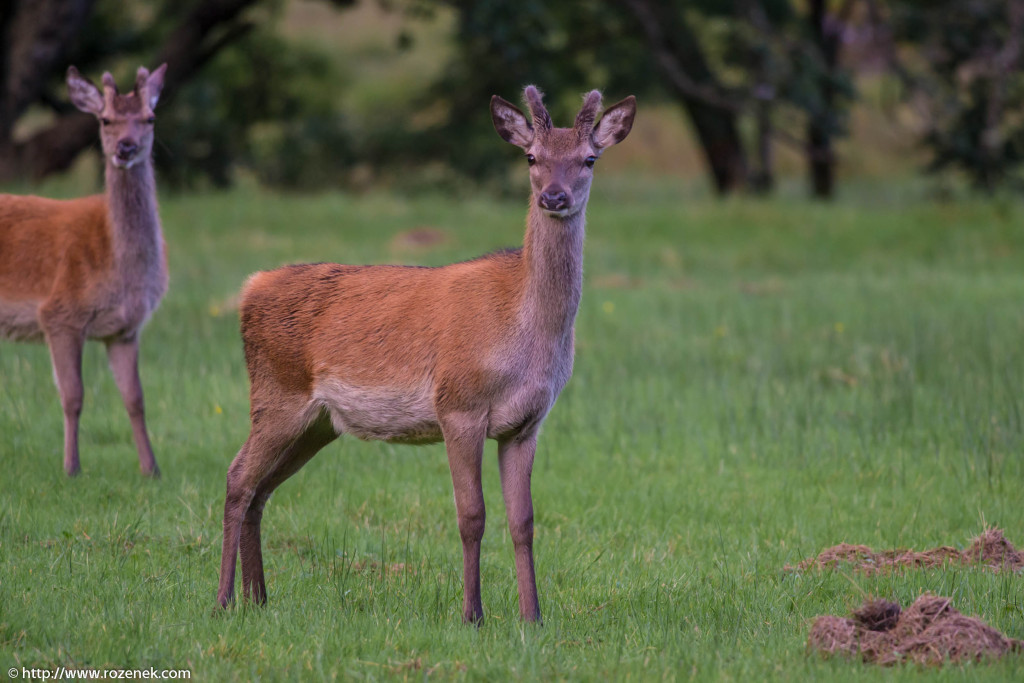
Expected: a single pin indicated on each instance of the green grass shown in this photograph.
(754, 381)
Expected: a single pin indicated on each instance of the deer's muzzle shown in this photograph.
(555, 200)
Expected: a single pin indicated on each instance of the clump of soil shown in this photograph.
(990, 549)
(929, 632)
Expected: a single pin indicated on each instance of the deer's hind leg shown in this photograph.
(308, 444)
(280, 442)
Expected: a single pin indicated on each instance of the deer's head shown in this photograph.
(126, 121)
(562, 159)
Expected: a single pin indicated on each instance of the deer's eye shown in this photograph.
(589, 161)
(151, 120)
(530, 159)
(105, 122)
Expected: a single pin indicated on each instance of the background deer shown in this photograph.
(92, 267)
(461, 353)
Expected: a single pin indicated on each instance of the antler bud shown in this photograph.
(535, 102)
(588, 113)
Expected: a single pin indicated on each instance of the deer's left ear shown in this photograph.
(511, 124)
(154, 85)
(615, 124)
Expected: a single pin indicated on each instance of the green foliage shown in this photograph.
(972, 82)
(271, 107)
(265, 105)
(261, 104)
(761, 51)
(565, 48)
(766, 50)
(755, 381)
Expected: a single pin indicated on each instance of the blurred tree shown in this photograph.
(265, 105)
(750, 75)
(42, 36)
(769, 55)
(963, 74)
(724, 62)
(679, 57)
(205, 123)
(33, 37)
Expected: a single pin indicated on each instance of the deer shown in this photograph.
(92, 267)
(459, 353)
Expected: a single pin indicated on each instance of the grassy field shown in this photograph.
(755, 381)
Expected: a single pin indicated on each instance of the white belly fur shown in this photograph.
(522, 393)
(19, 320)
(384, 413)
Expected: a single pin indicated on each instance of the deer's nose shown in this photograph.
(554, 200)
(126, 149)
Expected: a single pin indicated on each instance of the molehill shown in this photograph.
(929, 632)
(990, 549)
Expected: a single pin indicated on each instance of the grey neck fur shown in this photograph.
(553, 255)
(131, 201)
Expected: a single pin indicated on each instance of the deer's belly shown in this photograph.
(19, 320)
(398, 415)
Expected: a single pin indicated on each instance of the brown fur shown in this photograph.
(460, 353)
(93, 267)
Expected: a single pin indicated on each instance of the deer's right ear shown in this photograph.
(84, 94)
(511, 124)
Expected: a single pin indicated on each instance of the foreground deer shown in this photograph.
(460, 353)
(92, 267)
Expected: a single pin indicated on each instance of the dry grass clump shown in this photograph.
(990, 549)
(929, 632)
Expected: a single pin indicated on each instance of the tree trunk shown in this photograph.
(678, 55)
(721, 144)
(820, 156)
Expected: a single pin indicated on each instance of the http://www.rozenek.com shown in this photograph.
(63, 673)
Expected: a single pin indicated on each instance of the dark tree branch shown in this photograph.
(36, 38)
(676, 51)
(186, 50)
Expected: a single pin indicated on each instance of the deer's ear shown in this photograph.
(83, 93)
(511, 124)
(615, 124)
(154, 85)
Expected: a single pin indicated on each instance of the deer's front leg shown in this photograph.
(66, 354)
(464, 439)
(515, 460)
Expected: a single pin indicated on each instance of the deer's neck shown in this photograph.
(553, 257)
(131, 203)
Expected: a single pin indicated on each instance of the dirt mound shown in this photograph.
(990, 549)
(928, 632)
